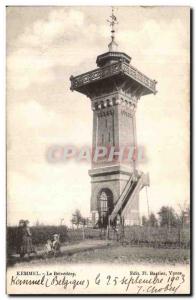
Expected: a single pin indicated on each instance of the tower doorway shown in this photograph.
(105, 206)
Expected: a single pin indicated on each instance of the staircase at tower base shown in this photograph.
(135, 183)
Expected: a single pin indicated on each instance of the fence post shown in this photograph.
(83, 233)
(108, 229)
(179, 236)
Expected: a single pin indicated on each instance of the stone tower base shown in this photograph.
(113, 179)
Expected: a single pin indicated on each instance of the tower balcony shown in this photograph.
(120, 71)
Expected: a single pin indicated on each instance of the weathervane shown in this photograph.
(112, 21)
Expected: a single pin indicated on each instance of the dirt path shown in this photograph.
(85, 246)
(68, 249)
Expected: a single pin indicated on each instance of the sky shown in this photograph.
(45, 46)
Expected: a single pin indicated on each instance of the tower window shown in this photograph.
(105, 206)
(106, 123)
(109, 137)
(103, 202)
(102, 139)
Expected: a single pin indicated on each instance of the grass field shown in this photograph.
(120, 254)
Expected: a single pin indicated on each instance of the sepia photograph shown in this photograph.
(98, 150)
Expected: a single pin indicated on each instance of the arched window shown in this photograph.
(103, 202)
(105, 206)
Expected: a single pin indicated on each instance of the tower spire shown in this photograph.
(112, 21)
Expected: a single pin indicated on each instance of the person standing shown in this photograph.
(19, 236)
(27, 244)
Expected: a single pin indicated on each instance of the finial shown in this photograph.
(112, 21)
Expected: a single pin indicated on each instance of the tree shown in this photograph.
(152, 220)
(37, 223)
(184, 216)
(168, 217)
(76, 218)
(144, 221)
(84, 221)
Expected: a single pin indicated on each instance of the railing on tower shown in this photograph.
(132, 188)
(111, 70)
